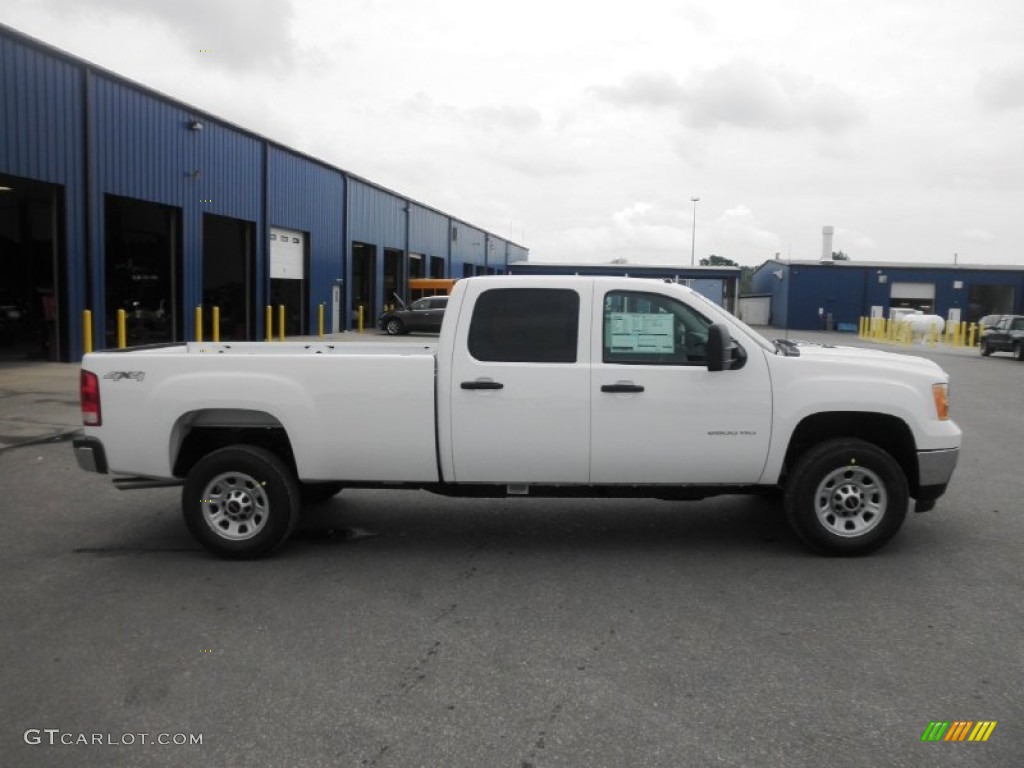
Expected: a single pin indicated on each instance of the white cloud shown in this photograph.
(978, 235)
(233, 34)
(743, 94)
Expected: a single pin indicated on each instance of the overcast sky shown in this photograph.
(583, 129)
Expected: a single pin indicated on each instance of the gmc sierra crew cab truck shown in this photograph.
(537, 386)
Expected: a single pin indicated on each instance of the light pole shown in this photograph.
(693, 240)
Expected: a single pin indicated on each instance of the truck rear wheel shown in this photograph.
(241, 501)
(846, 497)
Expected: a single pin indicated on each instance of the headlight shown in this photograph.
(940, 392)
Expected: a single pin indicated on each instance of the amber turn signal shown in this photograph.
(941, 394)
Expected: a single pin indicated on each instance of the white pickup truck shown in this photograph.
(538, 386)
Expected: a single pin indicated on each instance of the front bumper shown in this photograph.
(90, 455)
(934, 469)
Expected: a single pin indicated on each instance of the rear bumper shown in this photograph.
(934, 470)
(90, 455)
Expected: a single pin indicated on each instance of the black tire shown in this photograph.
(241, 501)
(1018, 351)
(393, 326)
(846, 497)
(316, 493)
(986, 350)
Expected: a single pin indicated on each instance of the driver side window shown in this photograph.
(651, 329)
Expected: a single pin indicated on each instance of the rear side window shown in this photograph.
(525, 325)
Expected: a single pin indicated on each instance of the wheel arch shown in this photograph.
(198, 433)
(890, 433)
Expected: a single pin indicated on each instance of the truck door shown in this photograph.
(658, 414)
(520, 387)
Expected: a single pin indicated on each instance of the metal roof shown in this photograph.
(845, 264)
(627, 266)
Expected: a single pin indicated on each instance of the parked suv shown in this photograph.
(1006, 336)
(422, 315)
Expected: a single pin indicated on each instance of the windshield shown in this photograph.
(768, 345)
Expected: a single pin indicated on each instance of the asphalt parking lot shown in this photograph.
(404, 629)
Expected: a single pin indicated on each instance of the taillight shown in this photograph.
(89, 387)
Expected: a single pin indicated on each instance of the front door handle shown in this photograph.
(622, 387)
(482, 385)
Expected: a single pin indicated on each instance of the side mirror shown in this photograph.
(718, 348)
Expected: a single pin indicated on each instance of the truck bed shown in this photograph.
(365, 410)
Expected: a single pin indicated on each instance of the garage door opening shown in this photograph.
(990, 300)
(394, 276)
(228, 257)
(143, 270)
(32, 271)
(437, 267)
(364, 282)
(913, 296)
(289, 265)
(417, 266)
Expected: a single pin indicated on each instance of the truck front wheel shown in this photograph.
(241, 501)
(846, 497)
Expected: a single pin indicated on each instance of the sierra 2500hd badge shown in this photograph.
(119, 375)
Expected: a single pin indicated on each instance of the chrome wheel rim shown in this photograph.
(235, 506)
(850, 501)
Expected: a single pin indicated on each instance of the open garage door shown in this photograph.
(32, 322)
(143, 270)
(913, 296)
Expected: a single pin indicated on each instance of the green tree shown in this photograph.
(839, 256)
(718, 261)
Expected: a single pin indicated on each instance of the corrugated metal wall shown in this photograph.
(428, 232)
(68, 123)
(306, 196)
(376, 216)
(41, 138)
(143, 147)
(468, 248)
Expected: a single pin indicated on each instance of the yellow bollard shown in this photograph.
(360, 318)
(269, 321)
(860, 328)
(215, 320)
(122, 330)
(320, 320)
(87, 330)
(971, 330)
(280, 320)
(963, 333)
(933, 334)
(199, 323)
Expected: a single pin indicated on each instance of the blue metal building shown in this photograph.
(113, 196)
(809, 295)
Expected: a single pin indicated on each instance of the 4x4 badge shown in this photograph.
(118, 375)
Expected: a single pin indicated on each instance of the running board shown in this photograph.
(134, 483)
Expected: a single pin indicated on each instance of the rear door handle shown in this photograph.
(622, 388)
(482, 385)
